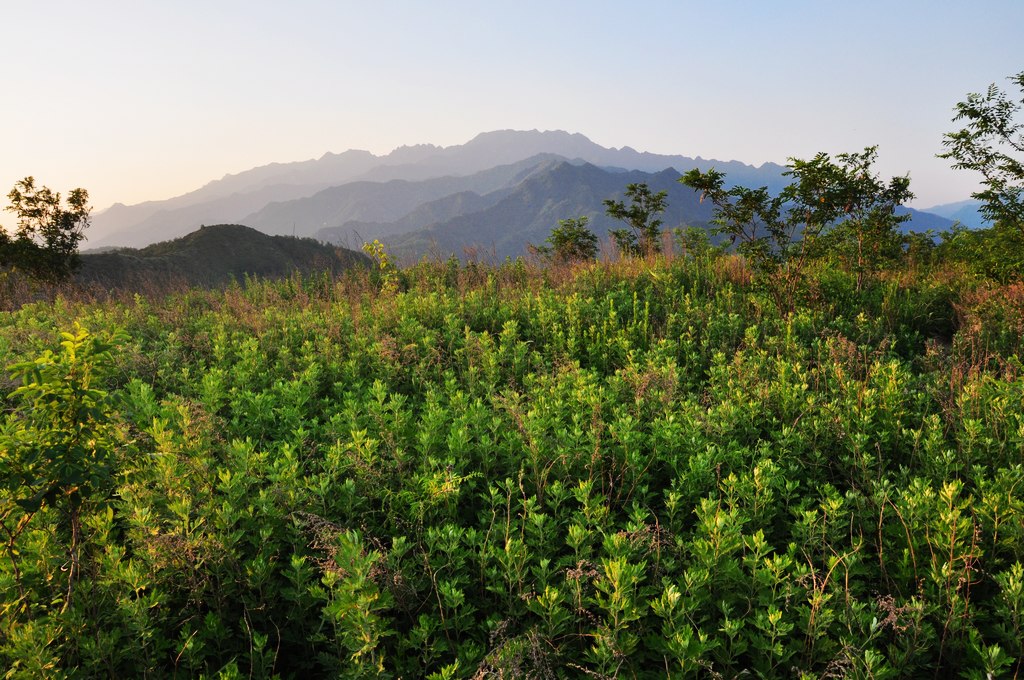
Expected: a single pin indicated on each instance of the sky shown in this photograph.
(144, 100)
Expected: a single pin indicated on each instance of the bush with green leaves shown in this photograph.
(60, 466)
(990, 253)
(571, 241)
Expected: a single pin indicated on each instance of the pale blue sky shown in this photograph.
(138, 100)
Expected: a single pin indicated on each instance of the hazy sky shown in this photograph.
(141, 99)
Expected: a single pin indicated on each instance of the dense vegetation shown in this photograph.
(638, 468)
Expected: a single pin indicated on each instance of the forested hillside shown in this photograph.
(212, 255)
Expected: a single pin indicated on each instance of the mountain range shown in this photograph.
(500, 191)
(967, 213)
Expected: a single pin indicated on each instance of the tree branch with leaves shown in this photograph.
(643, 231)
(992, 143)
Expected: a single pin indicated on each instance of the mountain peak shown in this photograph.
(508, 135)
(348, 153)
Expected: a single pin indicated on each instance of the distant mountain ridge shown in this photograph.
(233, 197)
(967, 213)
(527, 214)
(511, 219)
(273, 182)
(386, 201)
(500, 190)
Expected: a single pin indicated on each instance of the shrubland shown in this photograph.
(637, 468)
(802, 457)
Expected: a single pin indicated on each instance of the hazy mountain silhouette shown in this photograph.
(450, 192)
(351, 207)
(225, 199)
(529, 212)
(233, 197)
(967, 213)
(921, 221)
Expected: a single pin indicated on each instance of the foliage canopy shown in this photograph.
(992, 143)
(45, 241)
(779, 234)
(571, 241)
(643, 227)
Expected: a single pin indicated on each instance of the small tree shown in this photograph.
(644, 228)
(570, 241)
(779, 234)
(992, 143)
(386, 269)
(45, 242)
(751, 218)
(863, 232)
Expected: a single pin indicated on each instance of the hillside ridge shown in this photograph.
(213, 255)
